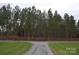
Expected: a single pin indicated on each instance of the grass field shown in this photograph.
(14, 48)
(65, 48)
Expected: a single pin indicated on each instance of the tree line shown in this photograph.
(33, 22)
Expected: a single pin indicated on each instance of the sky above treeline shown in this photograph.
(62, 6)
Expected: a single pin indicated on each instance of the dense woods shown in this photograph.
(35, 23)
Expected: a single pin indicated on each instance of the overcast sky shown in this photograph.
(62, 6)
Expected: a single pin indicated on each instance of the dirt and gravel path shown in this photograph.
(39, 48)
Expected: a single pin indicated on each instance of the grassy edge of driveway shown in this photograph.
(14, 48)
(64, 48)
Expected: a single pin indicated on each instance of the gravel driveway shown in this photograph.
(39, 48)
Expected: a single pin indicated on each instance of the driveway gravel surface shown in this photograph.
(39, 48)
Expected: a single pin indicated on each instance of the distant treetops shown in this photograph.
(31, 21)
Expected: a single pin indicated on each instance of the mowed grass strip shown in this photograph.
(65, 48)
(14, 48)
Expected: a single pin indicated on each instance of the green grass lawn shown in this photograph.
(14, 48)
(65, 48)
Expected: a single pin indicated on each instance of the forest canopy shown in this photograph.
(30, 21)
